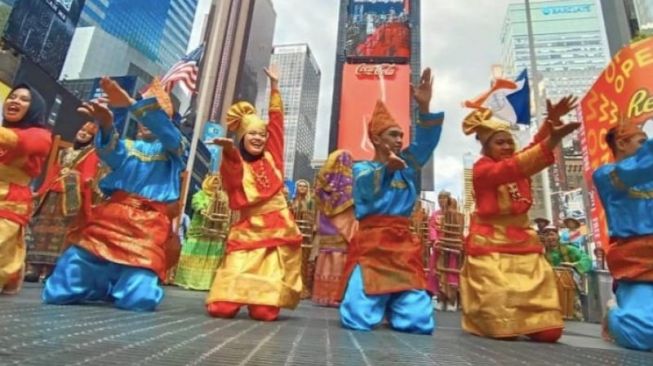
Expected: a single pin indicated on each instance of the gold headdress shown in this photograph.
(162, 97)
(242, 118)
(484, 125)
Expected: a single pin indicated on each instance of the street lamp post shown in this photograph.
(536, 94)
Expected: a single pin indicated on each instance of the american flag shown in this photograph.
(184, 72)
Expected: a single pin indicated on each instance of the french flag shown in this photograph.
(508, 100)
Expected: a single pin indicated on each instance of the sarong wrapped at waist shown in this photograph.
(631, 259)
(332, 243)
(269, 224)
(502, 234)
(129, 230)
(389, 254)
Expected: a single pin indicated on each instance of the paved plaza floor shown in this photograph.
(180, 333)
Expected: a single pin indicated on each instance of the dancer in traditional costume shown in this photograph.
(384, 275)
(303, 209)
(121, 254)
(67, 196)
(435, 226)
(203, 249)
(449, 260)
(335, 228)
(24, 146)
(625, 188)
(507, 286)
(570, 264)
(262, 266)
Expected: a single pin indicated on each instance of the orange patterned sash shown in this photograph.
(631, 259)
(129, 230)
(389, 254)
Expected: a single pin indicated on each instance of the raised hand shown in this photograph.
(99, 113)
(116, 96)
(423, 92)
(559, 131)
(224, 142)
(554, 112)
(273, 74)
(395, 163)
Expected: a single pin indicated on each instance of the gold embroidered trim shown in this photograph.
(133, 151)
(398, 184)
(276, 104)
(148, 107)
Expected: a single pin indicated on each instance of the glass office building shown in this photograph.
(159, 29)
(570, 45)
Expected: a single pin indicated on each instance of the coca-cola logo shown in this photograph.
(376, 70)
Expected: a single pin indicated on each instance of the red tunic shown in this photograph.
(256, 189)
(87, 165)
(22, 155)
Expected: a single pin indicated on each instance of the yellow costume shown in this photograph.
(262, 266)
(507, 286)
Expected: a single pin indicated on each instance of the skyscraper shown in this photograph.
(160, 29)
(571, 51)
(411, 10)
(261, 20)
(242, 32)
(300, 89)
(570, 45)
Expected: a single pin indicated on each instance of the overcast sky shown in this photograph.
(460, 42)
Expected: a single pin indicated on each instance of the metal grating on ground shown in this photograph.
(180, 333)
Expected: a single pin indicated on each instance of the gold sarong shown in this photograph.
(263, 276)
(12, 254)
(506, 295)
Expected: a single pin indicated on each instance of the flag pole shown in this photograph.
(536, 94)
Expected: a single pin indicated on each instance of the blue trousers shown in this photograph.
(80, 276)
(406, 311)
(631, 321)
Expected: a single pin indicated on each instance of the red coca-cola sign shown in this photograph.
(375, 70)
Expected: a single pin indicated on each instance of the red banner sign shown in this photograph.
(623, 90)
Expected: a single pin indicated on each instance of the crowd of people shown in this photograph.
(104, 221)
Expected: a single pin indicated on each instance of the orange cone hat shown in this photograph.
(381, 120)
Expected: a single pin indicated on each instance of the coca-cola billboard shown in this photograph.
(362, 86)
(374, 70)
(378, 29)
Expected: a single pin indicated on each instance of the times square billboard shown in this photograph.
(42, 31)
(378, 29)
(362, 86)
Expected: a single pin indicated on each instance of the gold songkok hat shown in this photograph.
(381, 120)
(484, 125)
(242, 118)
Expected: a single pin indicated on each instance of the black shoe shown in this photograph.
(31, 277)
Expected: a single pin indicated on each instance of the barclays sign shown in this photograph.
(568, 9)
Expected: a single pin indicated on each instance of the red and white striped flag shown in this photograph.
(184, 72)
